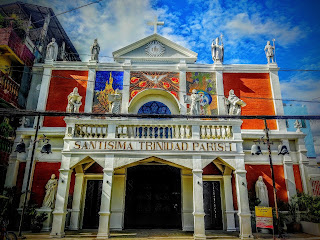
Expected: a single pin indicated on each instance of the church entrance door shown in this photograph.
(92, 204)
(153, 197)
(212, 205)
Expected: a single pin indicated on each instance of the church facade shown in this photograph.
(193, 174)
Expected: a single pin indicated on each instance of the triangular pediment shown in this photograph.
(155, 48)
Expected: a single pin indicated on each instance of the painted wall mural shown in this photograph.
(106, 83)
(168, 81)
(205, 84)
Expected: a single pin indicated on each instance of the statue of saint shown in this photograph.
(195, 103)
(95, 50)
(115, 100)
(74, 101)
(52, 50)
(298, 125)
(269, 50)
(262, 192)
(217, 51)
(234, 104)
(51, 189)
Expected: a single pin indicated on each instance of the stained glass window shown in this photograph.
(154, 107)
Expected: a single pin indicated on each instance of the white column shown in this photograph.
(198, 210)
(183, 87)
(303, 163)
(276, 94)
(44, 89)
(90, 88)
(220, 93)
(104, 220)
(126, 89)
(60, 210)
(12, 173)
(243, 202)
(76, 202)
(117, 201)
(187, 203)
(288, 172)
(229, 203)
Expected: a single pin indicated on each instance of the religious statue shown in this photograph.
(95, 50)
(234, 104)
(115, 100)
(269, 50)
(74, 101)
(262, 192)
(52, 50)
(217, 51)
(51, 189)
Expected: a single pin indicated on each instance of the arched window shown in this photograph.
(154, 107)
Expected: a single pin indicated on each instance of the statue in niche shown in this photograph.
(234, 104)
(51, 189)
(52, 50)
(262, 192)
(269, 50)
(95, 50)
(217, 51)
(74, 101)
(115, 100)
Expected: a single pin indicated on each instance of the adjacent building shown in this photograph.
(193, 174)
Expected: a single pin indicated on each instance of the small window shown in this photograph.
(303, 123)
(287, 123)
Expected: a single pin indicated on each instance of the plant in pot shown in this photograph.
(294, 226)
(37, 222)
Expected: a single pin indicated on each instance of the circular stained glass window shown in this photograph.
(154, 107)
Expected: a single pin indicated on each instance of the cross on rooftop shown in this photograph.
(155, 24)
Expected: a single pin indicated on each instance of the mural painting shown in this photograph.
(106, 83)
(168, 81)
(205, 84)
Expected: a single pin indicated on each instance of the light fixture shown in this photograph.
(21, 147)
(255, 149)
(282, 149)
(46, 148)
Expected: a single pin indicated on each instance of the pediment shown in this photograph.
(154, 48)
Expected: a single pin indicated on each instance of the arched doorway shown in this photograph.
(153, 197)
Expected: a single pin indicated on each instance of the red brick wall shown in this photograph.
(254, 171)
(61, 85)
(297, 178)
(42, 174)
(255, 90)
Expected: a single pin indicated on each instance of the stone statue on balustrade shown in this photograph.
(298, 125)
(270, 52)
(234, 104)
(74, 101)
(262, 192)
(115, 100)
(51, 189)
(52, 50)
(217, 51)
(95, 50)
(194, 101)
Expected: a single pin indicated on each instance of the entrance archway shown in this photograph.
(153, 197)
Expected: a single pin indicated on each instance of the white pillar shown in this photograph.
(288, 172)
(198, 210)
(76, 202)
(44, 89)
(104, 220)
(220, 93)
(182, 86)
(303, 163)
(229, 203)
(187, 203)
(12, 173)
(117, 201)
(90, 87)
(126, 88)
(243, 203)
(60, 210)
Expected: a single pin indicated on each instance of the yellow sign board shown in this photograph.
(263, 211)
(264, 217)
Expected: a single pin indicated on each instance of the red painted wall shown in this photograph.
(22, 167)
(297, 178)
(61, 85)
(211, 169)
(234, 192)
(42, 174)
(254, 171)
(255, 90)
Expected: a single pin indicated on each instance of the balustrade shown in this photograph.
(215, 132)
(9, 88)
(90, 131)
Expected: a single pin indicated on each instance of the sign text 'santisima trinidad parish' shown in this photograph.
(154, 146)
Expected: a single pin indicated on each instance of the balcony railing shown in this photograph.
(11, 39)
(9, 89)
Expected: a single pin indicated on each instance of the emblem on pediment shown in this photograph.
(155, 49)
